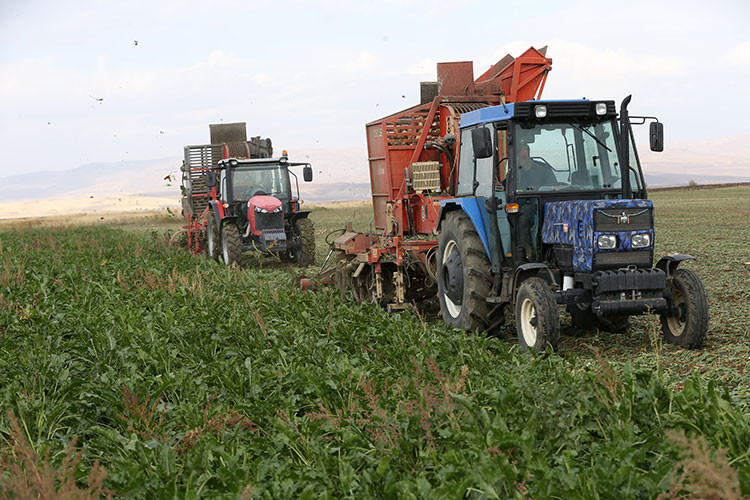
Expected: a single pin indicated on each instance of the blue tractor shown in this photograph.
(550, 208)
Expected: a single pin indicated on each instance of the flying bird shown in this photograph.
(97, 99)
(135, 43)
(168, 177)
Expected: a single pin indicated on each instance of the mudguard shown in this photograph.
(300, 214)
(472, 208)
(526, 271)
(669, 263)
(218, 211)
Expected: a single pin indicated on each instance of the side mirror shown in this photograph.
(482, 142)
(210, 179)
(307, 173)
(656, 136)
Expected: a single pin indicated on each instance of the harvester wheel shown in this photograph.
(537, 321)
(689, 326)
(231, 244)
(213, 239)
(464, 277)
(585, 319)
(305, 253)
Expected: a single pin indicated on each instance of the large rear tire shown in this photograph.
(213, 239)
(688, 327)
(537, 321)
(304, 255)
(464, 276)
(231, 244)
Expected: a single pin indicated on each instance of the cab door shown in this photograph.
(501, 195)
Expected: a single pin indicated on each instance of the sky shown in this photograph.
(105, 81)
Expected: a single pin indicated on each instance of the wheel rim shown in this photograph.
(677, 323)
(224, 248)
(453, 309)
(211, 242)
(528, 322)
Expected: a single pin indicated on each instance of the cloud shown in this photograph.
(263, 79)
(218, 59)
(739, 55)
(611, 61)
(364, 62)
(425, 67)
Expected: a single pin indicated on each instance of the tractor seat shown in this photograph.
(580, 178)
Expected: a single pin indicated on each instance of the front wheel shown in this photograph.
(537, 321)
(212, 238)
(304, 254)
(231, 244)
(688, 325)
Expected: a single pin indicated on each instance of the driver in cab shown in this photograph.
(532, 174)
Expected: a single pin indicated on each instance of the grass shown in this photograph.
(185, 379)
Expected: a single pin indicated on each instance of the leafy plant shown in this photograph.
(187, 379)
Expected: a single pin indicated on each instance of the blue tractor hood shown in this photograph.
(572, 224)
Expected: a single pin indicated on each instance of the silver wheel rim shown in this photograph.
(453, 309)
(211, 242)
(676, 325)
(528, 311)
(224, 248)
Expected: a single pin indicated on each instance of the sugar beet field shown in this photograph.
(133, 369)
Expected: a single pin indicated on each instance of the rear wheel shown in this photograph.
(231, 244)
(304, 254)
(212, 239)
(537, 321)
(464, 276)
(688, 326)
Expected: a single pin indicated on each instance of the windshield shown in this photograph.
(271, 180)
(566, 156)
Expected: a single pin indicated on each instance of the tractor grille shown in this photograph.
(641, 258)
(269, 221)
(634, 219)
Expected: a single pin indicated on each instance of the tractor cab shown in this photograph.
(534, 160)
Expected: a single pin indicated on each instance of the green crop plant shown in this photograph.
(185, 379)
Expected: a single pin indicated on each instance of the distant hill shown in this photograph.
(706, 161)
(339, 175)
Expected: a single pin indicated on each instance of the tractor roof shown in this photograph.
(253, 161)
(562, 109)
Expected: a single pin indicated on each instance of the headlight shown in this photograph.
(540, 111)
(606, 241)
(277, 209)
(261, 210)
(601, 108)
(641, 240)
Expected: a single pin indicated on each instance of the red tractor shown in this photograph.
(243, 199)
